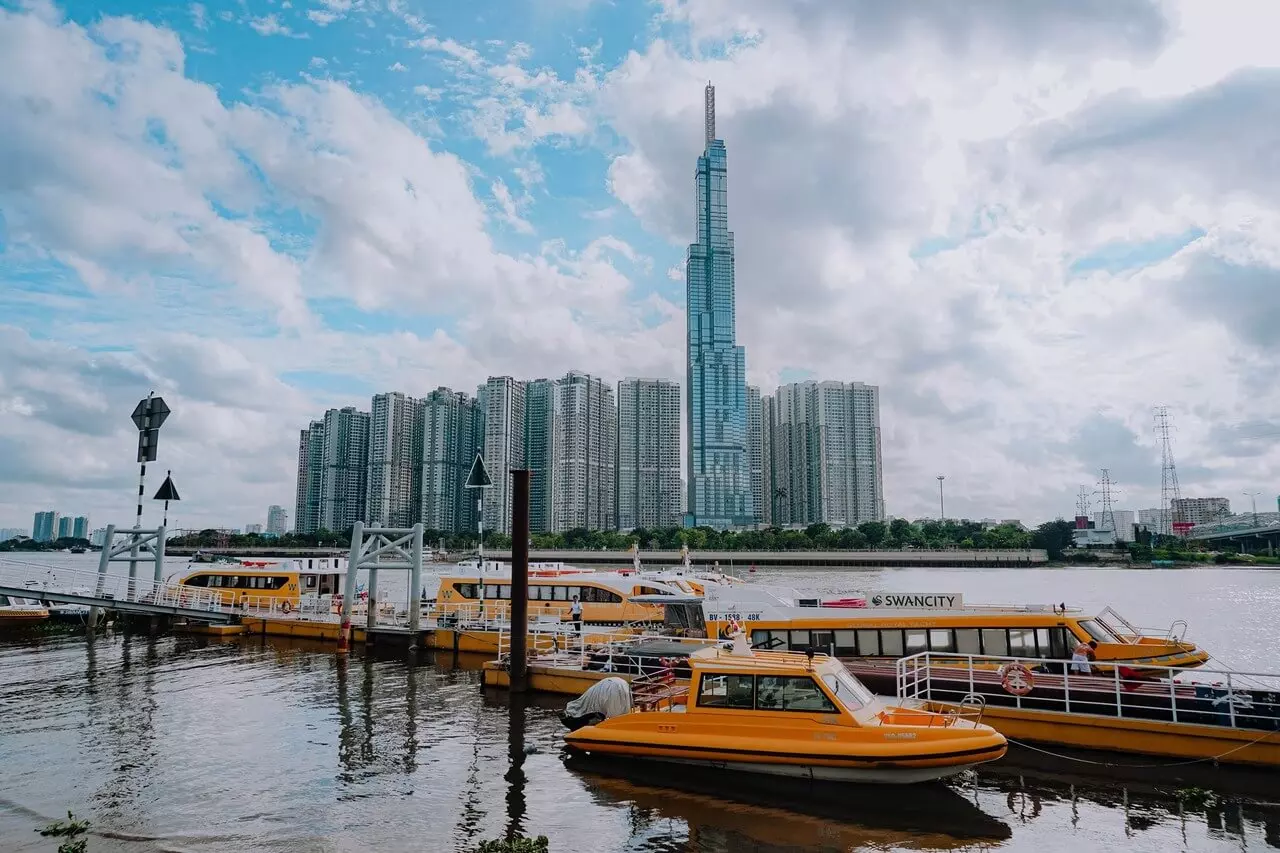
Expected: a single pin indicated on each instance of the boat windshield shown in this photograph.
(848, 690)
(1098, 631)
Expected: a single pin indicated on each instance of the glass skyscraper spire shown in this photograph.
(719, 476)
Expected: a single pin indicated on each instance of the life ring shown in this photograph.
(286, 607)
(1016, 679)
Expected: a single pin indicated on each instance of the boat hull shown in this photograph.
(821, 773)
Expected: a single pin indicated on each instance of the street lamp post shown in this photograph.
(1253, 499)
(942, 506)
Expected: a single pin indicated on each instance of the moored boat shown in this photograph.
(16, 612)
(788, 714)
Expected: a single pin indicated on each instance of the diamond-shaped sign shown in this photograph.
(150, 413)
(479, 476)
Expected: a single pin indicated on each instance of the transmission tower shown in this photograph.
(1104, 491)
(1082, 502)
(1169, 491)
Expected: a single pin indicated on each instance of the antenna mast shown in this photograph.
(1169, 491)
(709, 108)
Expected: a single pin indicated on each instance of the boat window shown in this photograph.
(1022, 642)
(575, 592)
(560, 592)
(846, 643)
(917, 641)
(868, 643)
(800, 641)
(1098, 631)
(540, 593)
(1042, 642)
(762, 639)
(891, 643)
(941, 640)
(198, 580)
(465, 590)
(600, 596)
(791, 693)
(968, 641)
(649, 590)
(995, 642)
(4, 601)
(1058, 648)
(726, 691)
(851, 693)
(504, 590)
(311, 581)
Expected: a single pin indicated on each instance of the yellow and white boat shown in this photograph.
(314, 584)
(788, 714)
(18, 612)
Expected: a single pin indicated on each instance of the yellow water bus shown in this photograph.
(893, 625)
(606, 597)
(18, 612)
(785, 714)
(269, 582)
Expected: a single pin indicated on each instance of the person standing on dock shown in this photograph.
(575, 615)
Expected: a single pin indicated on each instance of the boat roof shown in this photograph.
(717, 658)
(619, 583)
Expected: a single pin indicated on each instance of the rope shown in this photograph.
(1077, 759)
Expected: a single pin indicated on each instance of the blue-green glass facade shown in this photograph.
(719, 484)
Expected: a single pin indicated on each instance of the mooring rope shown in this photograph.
(1080, 760)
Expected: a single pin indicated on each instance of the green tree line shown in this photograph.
(1053, 536)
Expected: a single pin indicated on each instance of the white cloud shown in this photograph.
(269, 25)
(508, 209)
(399, 66)
(199, 16)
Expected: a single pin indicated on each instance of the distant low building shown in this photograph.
(253, 528)
(1124, 521)
(1092, 537)
(7, 533)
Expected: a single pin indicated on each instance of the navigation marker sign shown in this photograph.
(479, 476)
(147, 416)
(168, 491)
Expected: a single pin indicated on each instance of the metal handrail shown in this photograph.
(1248, 700)
(107, 587)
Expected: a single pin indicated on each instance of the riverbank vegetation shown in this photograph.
(899, 533)
(31, 545)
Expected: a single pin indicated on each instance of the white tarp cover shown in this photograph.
(610, 697)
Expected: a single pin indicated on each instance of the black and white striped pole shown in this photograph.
(147, 416)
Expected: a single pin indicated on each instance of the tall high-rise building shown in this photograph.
(345, 468)
(768, 488)
(306, 510)
(539, 442)
(1200, 510)
(64, 527)
(395, 461)
(80, 527)
(7, 533)
(503, 402)
(277, 520)
(755, 450)
(452, 433)
(45, 526)
(719, 482)
(649, 485)
(825, 440)
(584, 454)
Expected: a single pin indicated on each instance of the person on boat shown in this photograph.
(1080, 658)
(575, 614)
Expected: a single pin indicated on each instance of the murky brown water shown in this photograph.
(187, 744)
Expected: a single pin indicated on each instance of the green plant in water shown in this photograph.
(518, 844)
(71, 830)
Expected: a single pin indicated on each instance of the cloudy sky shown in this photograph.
(1028, 223)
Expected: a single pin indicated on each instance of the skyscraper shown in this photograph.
(719, 477)
(825, 439)
(45, 526)
(503, 404)
(80, 527)
(277, 520)
(395, 461)
(649, 484)
(452, 432)
(755, 449)
(768, 486)
(539, 441)
(306, 510)
(64, 527)
(345, 468)
(583, 454)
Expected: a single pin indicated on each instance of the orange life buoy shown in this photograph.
(1016, 679)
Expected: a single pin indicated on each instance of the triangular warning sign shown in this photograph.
(168, 491)
(479, 477)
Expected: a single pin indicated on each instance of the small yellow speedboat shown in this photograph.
(786, 714)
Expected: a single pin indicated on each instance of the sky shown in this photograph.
(1028, 223)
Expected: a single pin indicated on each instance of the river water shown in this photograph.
(192, 744)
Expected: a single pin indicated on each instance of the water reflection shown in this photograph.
(515, 776)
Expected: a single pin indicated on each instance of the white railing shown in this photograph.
(1244, 700)
(598, 649)
(38, 578)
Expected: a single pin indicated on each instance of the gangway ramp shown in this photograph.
(143, 596)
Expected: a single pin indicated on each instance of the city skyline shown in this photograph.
(966, 213)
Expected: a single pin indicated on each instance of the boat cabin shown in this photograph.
(606, 597)
(261, 581)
